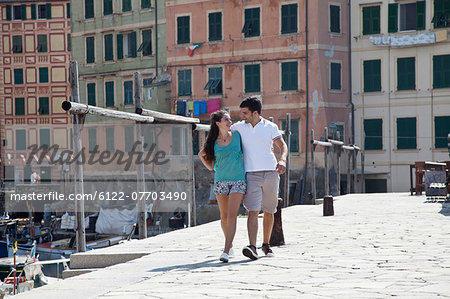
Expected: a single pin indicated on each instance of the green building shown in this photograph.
(113, 39)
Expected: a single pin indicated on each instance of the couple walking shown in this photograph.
(245, 169)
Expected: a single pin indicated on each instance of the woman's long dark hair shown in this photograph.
(213, 134)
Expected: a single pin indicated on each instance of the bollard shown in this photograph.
(328, 206)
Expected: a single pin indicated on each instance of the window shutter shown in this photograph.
(133, 44)
(126, 5)
(108, 47)
(420, 15)
(68, 10)
(91, 94)
(373, 131)
(335, 69)
(8, 13)
(18, 76)
(393, 18)
(119, 46)
(107, 7)
(441, 130)
(24, 11)
(335, 19)
(89, 9)
(48, 10)
(43, 75)
(90, 55)
(44, 108)
(33, 11)
(19, 108)
(145, 4)
(366, 20)
(109, 86)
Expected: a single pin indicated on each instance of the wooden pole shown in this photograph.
(339, 150)
(355, 176)
(362, 173)
(349, 182)
(78, 121)
(142, 213)
(167, 116)
(325, 152)
(77, 108)
(286, 174)
(313, 169)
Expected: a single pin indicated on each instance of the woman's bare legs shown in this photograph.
(234, 202)
(222, 201)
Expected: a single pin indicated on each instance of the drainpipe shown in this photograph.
(156, 37)
(350, 70)
(305, 171)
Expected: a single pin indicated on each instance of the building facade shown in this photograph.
(220, 52)
(34, 47)
(401, 87)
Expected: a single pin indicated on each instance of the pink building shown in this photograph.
(259, 48)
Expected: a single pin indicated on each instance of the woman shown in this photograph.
(222, 153)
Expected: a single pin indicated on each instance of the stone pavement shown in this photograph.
(376, 246)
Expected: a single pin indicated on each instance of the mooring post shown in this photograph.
(325, 152)
(78, 121)
(142, 213)
(338, 153)
(313, 169)
(287, 133)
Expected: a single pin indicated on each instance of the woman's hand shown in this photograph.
(202, 156)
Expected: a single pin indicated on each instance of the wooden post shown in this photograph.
(142, 213)
(328, 206)
(355, 175)
(339, 150)
(313, 169)
(287, 133)
(363, 187)
(349, 182)
(192, 206)
(325, 152)
(277, 236)
(78, 121)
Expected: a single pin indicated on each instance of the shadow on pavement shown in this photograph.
(208, 263)
(445, 209)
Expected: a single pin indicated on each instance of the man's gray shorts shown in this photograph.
(262, 191)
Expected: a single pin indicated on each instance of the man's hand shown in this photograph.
(281, 167)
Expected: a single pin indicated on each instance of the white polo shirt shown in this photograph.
(257, 143)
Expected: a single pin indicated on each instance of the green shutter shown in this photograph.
(89, 9)
(288, 18)
(68, 10)
(33, 11)
(441, 131)
(42, 43)
(215, 26)
(406, 133)
(91, 94)
(19, 107)
(393, 18)
(44, 137)
(373, 134)
(8, 13)
(420, 15)
(110, 139)
(18, 76)
(145, 4)
(43, 75)
(21, 140)
(129, 139)
(183, 30)
(252, 78)
(109, 87)
(48, 10)
(406, 73)
(441, 71)
(92, 133)
(289, 76)
(372, 75)
(133, 44)
(371, 20)
(24, 11)
(90, 50)
(119, 46)
(335, 76)
(69, 42)
(253, 21)
(44, 108)
(146, 43)
(107, 7)
(108, 47)
(335, 21)
(126, 5)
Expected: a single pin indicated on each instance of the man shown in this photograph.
(262, 171)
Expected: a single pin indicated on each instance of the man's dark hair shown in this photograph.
(252, 103)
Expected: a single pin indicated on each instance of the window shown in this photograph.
(42, 43)
(371, 20)
(90, 49)
(288, 18)
(441, 131)
(145, 4)
(91, 94)
(44, 108)
(107, 7)
(441, 17)
(19, 108)
(20, 12)
(406, 133)
(335, 76)
(108, 47)
(252, 78)
(68, 10)
(183, 30)
(340, 130)
(215, 26)
(21, 140)
(373, 134)
(110, 140)
(88, 9)
(372, 75)
(149, 142)
(92, 140)
(18, 76)
(126, 5)
(17, 44)
(109, 93)
(294, 145)
(128, 93)
(126, 45)
(289, 76)
(33, 11)
(146, 46)
(412, 16)
(129, 139)
(441, 71)
(335, 19)
(184, 83)
(45, 11)
(214, 84)
(251, 24)
(406, 73)
(69, 42)
(44, 137)
(43, 75)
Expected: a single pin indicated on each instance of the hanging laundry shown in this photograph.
(181, 108)
(191, 105)
(203, 107)
(213, 105)
(196, 108)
